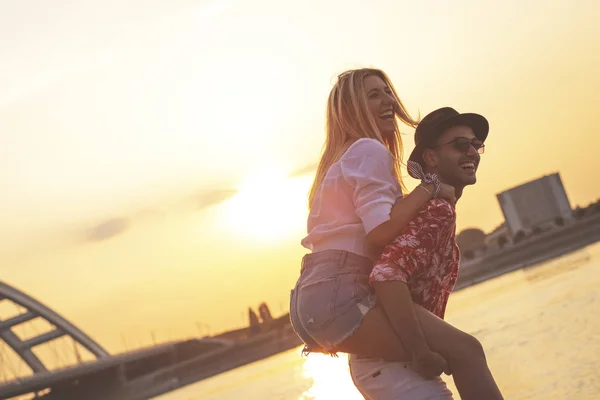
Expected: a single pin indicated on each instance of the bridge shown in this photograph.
(134, 375)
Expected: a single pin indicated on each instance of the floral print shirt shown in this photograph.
(425, 256)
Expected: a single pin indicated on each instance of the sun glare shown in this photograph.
(331, 378)
(269, 206)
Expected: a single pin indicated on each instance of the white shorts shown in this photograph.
(378, 379)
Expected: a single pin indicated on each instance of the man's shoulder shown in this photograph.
(439, 209)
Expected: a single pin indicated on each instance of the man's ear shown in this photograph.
(429, 158)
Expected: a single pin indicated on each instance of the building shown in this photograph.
(534, 204)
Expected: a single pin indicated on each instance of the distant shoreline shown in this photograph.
(214, 363)
(531, 251)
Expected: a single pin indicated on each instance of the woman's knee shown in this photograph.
(468, 350)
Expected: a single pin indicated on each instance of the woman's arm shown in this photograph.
(367, 166)
(403, 211)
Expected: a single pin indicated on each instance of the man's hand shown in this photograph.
(429, 364)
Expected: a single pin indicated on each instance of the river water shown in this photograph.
(540, 328)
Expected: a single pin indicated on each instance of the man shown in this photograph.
(421, 265)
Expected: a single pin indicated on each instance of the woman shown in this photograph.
(356, 208)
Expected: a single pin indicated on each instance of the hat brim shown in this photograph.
(478, 123)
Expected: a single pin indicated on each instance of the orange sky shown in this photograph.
(148, 147)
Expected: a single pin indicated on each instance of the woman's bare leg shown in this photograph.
(375, 338)
(463, 352)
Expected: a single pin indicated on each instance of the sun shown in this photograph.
(268, 207)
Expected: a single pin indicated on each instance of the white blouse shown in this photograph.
(356, 195)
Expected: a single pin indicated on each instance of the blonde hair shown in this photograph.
(349, 119)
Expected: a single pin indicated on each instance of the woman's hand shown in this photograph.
(447, 192)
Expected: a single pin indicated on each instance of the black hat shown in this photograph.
(436, 122)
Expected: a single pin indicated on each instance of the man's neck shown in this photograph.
(458, 190)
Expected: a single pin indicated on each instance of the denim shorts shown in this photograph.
(331, 298)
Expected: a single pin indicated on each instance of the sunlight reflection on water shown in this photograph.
(330, 378)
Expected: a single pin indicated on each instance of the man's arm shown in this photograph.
(394, 269)
(396, 302)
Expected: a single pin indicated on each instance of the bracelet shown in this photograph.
(425, 189)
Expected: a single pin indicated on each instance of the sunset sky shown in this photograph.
(156, 156)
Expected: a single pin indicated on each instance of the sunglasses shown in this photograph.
(463, 144)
